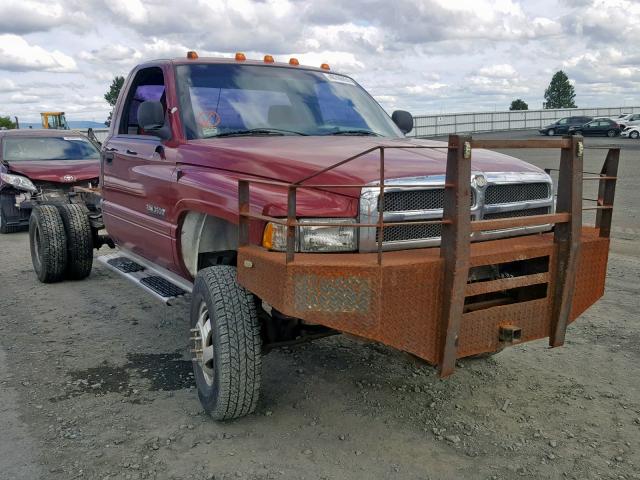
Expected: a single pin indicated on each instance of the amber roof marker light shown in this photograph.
(240, 57)
(325, 66)
(268, 59)
(192, 55)
(293, 61)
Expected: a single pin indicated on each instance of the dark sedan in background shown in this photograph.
(597, 127)
(561, 127)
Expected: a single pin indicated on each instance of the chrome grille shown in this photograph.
(515, 192)
(413, 200)
(398, 233)
(504, 197)
(409, 200)
(517, 213)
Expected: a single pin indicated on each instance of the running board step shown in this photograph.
(155, 280)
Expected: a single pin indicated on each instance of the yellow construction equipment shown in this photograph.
(55, 120)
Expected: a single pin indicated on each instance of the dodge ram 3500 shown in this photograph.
(287, 205)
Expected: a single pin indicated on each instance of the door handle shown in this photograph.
(108, 156)
(131, 152)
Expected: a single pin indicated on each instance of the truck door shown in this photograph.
(138, 176)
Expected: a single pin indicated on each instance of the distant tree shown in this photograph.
(519, 104)
(560, 93)
(112, 95)
(5, 122)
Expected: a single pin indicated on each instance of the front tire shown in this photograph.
(79, 241)
(635, 134)
(226, 335)
(48, 243)
(611, 133)
(551, 132)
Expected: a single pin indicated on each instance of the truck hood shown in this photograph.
(59, 171)
(290, 159)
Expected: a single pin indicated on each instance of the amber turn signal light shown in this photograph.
(191, 55)
(294, 61)
(325, 66)
(240, 57)
(268, 59)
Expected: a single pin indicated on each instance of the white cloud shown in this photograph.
(420, 55)
(7, 85)
(29, 16)
(18, 55)
(503, 70)
(21, 98)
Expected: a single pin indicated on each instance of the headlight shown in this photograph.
(340, 236)
(18, 181)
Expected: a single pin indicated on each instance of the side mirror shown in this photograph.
(151, 118)
(404, 120)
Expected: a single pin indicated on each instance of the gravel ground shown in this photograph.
(95, 382)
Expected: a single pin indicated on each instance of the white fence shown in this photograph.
(444, 124)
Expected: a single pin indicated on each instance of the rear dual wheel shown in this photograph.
(61, 242)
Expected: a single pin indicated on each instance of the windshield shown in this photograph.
(222, 100)
(48, 148)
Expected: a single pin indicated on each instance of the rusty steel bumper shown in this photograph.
(399, 303)
(430, 302)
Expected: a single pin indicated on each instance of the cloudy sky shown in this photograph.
(425, 56)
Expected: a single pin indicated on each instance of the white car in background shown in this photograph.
(631, 132)
(626, 119)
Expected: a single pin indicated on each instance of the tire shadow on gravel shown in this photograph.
(163, 371)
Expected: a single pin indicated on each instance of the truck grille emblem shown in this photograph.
(68, 178)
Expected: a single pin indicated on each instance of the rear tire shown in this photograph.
(551, 132)
(635, 134)
(226, 334)
(79, 241)
(48, 243)
(611, 133)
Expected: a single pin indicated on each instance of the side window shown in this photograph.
(148, 84)
(563, 121)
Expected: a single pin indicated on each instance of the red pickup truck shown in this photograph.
(289, 205)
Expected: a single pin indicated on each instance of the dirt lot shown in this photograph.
(95, 382)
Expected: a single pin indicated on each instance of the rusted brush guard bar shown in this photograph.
(389, 300)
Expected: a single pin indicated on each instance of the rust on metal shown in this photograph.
(420, 300)
(567, 238)
(454, 249)
(530, 143)
(244, 207)
(607, 191)
(291, 223)
(501, 223)
(505, 283)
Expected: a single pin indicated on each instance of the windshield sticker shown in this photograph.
(332, 77)
(209, 119)
(209, 131)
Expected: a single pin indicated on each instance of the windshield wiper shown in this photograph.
(356, 132)
(257, 131)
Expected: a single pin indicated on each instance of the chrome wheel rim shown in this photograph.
(203, 344)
